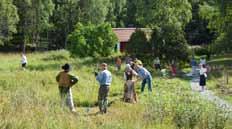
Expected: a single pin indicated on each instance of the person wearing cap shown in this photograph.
(65, 82)
(145, 75)
(104, 78)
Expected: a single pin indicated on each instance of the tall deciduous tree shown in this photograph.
(34, 19)
(144, 13)
(94, 11)
(65, 15)
(116, 13)
(8, 20)
(219, 15)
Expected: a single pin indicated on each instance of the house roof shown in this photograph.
(124, 34)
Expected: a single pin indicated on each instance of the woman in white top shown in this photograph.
(24, 61)
(203, 75)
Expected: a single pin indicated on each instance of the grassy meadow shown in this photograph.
(30, 99)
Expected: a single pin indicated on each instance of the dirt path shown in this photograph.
(209, 95)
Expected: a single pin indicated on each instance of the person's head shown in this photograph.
(203, 66)
(128, 75)
(66, 67)
(103, 66)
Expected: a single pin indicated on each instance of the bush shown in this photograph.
(92, 40)
(201, 51)
(138, 44)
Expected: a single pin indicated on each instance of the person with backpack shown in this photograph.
(65, 82)
(104, 78)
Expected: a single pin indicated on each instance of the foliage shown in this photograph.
(196, 30)
(116, 13)
(169, 43)
(218, 13)
(92, 40)
(8, 20)
(34, 20)
(159, 12)
(65, 15)
(94, 11)
(138, 44)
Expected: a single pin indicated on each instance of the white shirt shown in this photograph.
(203, 71)
(24, 59)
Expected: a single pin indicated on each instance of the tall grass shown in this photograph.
(30, 99)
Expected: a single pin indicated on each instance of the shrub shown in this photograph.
(138, 44)
(92, 40)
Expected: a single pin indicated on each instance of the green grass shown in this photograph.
(217, 79)
(30, 99)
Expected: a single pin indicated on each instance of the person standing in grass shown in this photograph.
(203, 76)
(118, 63)
(65, 82)
(173, 68)
(24, 61)
(156, 63)
(129, 89)
(104, 78)
(144, 74)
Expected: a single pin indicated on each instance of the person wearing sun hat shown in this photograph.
(104, 78)
(65, 82)
(145, 75)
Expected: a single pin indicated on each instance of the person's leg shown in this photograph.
(70, 100)
(100, 99)
(143, 85)
(62, 96)
(149, 82)
(105, 98)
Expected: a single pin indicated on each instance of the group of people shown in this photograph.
(133, 71)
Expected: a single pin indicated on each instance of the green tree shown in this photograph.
(219, 15)
(34, 20)
(138, 44)
(169, 43)
(116, 13)
(65, 15)
(92, 40)
(161, 12)
(8, 20)
(94, 11)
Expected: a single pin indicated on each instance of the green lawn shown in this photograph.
(30, 100)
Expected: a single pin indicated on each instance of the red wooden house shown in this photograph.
(123, 35)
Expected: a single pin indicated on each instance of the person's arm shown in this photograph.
(73, 79)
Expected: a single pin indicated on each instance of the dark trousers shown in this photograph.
(147, 80)
(102, 98)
